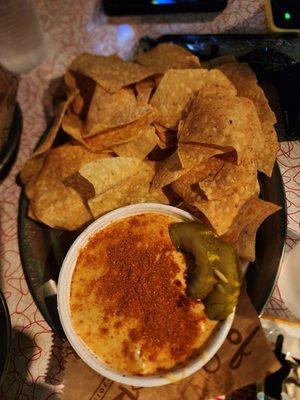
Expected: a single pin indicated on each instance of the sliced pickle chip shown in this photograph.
(215, 277)
(198, 240)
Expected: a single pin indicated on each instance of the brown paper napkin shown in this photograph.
(244, 358)
(8, 92)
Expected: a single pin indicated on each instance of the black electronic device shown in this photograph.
(117, 7)
(283, 15)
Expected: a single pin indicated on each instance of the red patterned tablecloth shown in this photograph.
(70, 27)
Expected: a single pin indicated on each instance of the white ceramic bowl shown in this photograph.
(63, 295)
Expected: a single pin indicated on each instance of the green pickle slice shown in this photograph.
(215, 277)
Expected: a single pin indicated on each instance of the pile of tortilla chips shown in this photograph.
(160, 129)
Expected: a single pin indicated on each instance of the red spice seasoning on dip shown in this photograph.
(128, 301)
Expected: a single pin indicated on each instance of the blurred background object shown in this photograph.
(21, 41)
(117, 7)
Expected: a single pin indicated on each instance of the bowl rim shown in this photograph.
(63, 304)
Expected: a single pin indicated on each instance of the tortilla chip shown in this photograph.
(245, 245)
(187, 186)
(247, 213)
(191, 154)
(178, 87)
(31, 168)
(60, 163)
(112, 73)
(166, 56)
(166, 137)
(134, 189)
(143, 91)
(226, 193)
(60, 112)
(116, 136)
(111, 110)
(255, 131)
(268, 156)
(70, 82)
(220, 121)
(157, 79)
(105, 173)
(73, 126)
(220, 213)
(86, 86)
(81, 185)
(60, 207)
(244, 79)
(159, 196)
(31, 214)
(169, 170)
(231, 179)
(140, 147)
(70, 86)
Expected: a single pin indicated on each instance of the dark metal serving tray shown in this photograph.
(10, 148)
(43, 249)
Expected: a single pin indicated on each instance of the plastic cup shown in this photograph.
(21, 40)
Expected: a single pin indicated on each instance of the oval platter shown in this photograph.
(42, 251)
(10, 148)
(5, 336)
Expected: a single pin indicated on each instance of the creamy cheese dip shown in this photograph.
(128, 301)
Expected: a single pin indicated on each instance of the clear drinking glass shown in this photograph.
(21, 41)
